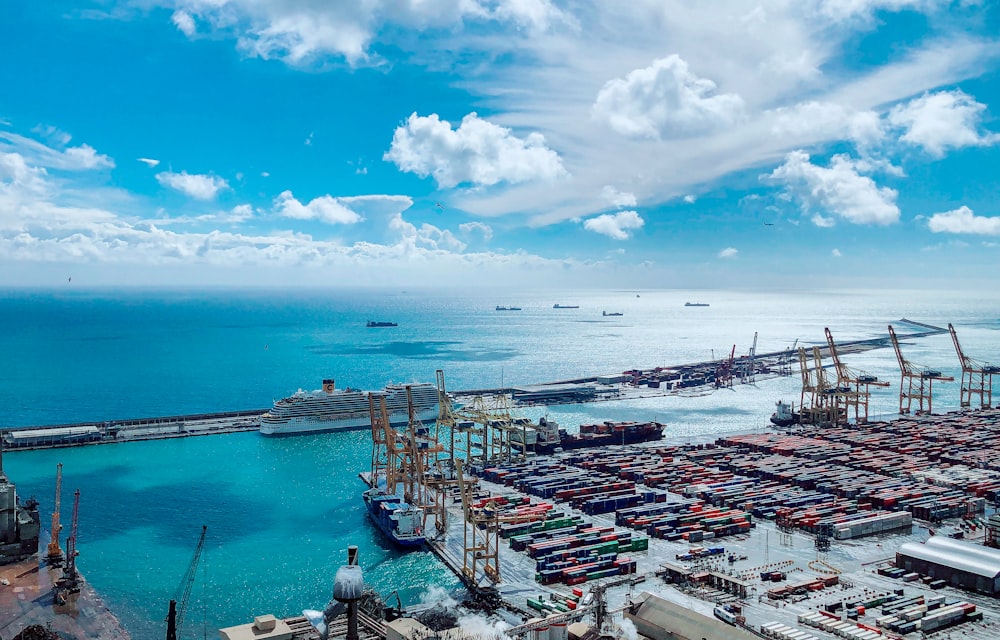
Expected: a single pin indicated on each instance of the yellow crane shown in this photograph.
(977, 377)
(916, 381)
(55, 554)
(854, 388)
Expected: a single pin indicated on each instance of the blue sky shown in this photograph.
(679, 144)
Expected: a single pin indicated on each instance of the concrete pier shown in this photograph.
(27, 597)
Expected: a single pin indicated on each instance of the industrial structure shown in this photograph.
(916, 382)
(958, 563)
(20, 525)
(853, 389)
(977, 377)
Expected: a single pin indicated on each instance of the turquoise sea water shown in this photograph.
(281, 512)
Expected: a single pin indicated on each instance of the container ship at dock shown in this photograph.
(400, 521)
(547, 437)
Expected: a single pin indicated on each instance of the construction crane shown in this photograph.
(853, 388)
(70, 580)
(178, 606)
(916, 382)
(54, 557)
(977, 377)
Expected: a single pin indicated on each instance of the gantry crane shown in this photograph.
(916, 382)
(977, 377)
(818, 403)
(808, 395)
(70, 580)
(749, 372)
(54, 557)
(178, 606)
(854, 388)
(724, 372)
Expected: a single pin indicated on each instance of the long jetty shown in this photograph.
(111, 431)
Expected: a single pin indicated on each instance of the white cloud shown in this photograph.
(827, 121)
(839, 190)
(471, 228)
(729, 252)
(149, 162)
(822, 221)
(618, 198)
(299, 33)
(665, 100)
(309, 139)
(615, 225)
(477, 152)
(690, 198)
(324, 208)
(963, 220)
(426, 236)
(184, 22)
(836, 253)
(941, 121)
(195, 185)
(79, 158)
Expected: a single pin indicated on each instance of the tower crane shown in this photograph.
(977, 377)
(70, 580)
(55, 554)
(854, 387)
(915, 382)
(178, 606)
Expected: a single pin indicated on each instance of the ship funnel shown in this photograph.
(328, 385)
(348, 587)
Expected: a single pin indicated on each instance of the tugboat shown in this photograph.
(400, 521)
(784, 415)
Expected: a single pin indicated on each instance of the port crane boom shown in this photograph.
(55, 554)
(178, 606)
(977, 377)
(916, 382)
(854, 388)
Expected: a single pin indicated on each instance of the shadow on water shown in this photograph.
(110, 507)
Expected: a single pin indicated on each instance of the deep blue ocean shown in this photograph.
(281, 512)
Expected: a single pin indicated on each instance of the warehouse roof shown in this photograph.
(963, 556)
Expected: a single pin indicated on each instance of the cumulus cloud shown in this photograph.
(963, 220)
(618, 198)
(477, 152)
(195, 185)
(79, 158)
(472, 228)
(664, 100)
(149, 162)
(838, 190)
(324, 208)
(184, 22)
(690, 198)
(941, 121)
(836, 253)
(615, 225)
(729, 252)
(426, 235)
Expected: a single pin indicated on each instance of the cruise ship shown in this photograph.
(332, 409)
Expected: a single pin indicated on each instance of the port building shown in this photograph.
(959, 563)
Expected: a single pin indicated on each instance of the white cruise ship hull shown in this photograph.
(325, 424)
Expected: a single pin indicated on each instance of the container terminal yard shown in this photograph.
(836, 526)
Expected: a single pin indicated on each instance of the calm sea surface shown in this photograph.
(281, 512)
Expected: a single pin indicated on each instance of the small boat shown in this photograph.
(375, 323)
(502, 308)
(613, 313)
(565, 306)
(696, 304)
(784, 415)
